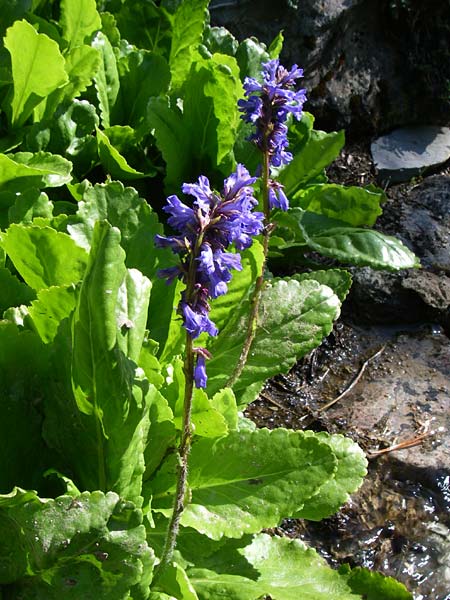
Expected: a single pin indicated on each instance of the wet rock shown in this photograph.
(407, 152)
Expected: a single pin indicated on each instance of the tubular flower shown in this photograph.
(267, 106)
(206, 229)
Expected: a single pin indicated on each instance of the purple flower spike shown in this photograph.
(267, 106)
(206, 229)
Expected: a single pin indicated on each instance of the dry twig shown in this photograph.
(353, 382)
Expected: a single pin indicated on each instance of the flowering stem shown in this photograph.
(182, 470)
(252, 322)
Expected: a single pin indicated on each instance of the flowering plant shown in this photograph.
(129, 470)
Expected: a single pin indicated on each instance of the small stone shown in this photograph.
(409, 151)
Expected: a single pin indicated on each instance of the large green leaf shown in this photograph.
(338, 280)
(352, 245)
(81, 64)
(318, 152)
(187, 31)
(25, 170)
(109, 320)
(79, 20)
(107, 78)
(28, 205)
(43, 256)
(293, 319)
(55, 170)
(113, 162)
(351, 469)
(264, 476)
(356, 206)
(362, 247)
(143, 74)
(172, 139)
(89, 546)
(210, 110)
(37, 68)
(24, 367)
(283, 568)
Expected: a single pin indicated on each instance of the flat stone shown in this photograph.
(406, 388)
(409, 151)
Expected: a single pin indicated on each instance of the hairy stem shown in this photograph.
(252, 322)
(183, 455)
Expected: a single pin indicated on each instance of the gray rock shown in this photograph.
(407, 388)
(407, 152)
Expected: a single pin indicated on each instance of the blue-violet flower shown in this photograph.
(267, 106)
(206, 229)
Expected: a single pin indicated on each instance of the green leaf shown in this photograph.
(107, 78)
(373, 586)
(113, 162)
(13, 291)
(51, 306)
(55, 170)
(81, 64)
(24, 367)
(219, 39)
(44, 257)
(210, 110)
(162, 433)
(276, 45)
(143, 74)
(145, 25)
(175, 582)
(187, 31)
(24, 170)
(103, 376)
(28, 205)
(172, 139)
(283, 568)
(351, 469)
(361, 247)
(37, 68)
(264, 476)
(354, 205)
(79, 20)
(89, 546)
(293, 319)
(338, 280)
(69, 133)
(319, 151)
(250, 56)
